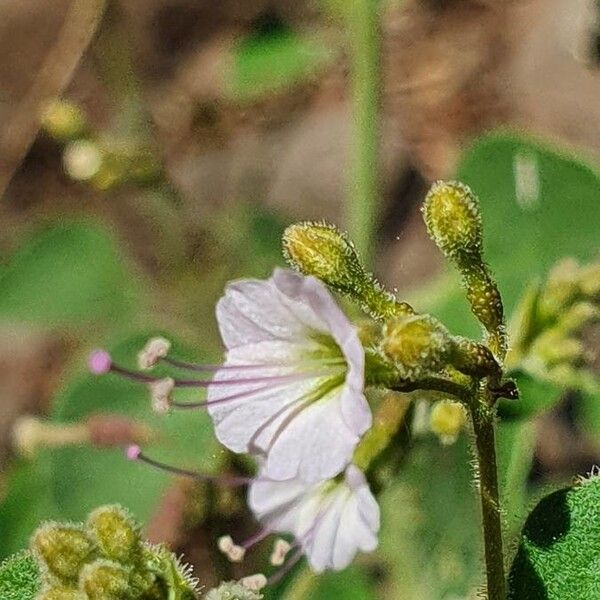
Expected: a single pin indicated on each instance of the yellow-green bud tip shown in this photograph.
(104, 579)
(416, 344)
(453, 219)
(321, 250)
(115, 532)
(61, 593)
(63, 120)
(447, 419)
(62, 549)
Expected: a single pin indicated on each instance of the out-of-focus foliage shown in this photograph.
(69, 274)
(276, 57)
(558, 554)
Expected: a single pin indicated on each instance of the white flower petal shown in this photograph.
(303, 426)
(331, 521)
(314, 444)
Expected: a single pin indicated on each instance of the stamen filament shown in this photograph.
(134, 453)
(287, 567)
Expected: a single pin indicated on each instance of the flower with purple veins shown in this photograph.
(305, 411)
(330, 521)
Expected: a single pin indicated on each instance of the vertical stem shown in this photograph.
(483, 426)
(363, 25)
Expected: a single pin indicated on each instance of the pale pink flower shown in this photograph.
(291, 388)
(331, 521)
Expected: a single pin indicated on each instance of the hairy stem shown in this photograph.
(363, 23)
(435, 384)
(485, 443)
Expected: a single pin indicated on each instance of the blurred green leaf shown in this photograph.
(273, 58)
(557, 558)
(515, 443)
(430, 525)
(84, 478)
(536, 396)
(524, 235)
(19, 577)
(351, 583)
(70, 274)
(28, 502)
(587, 408)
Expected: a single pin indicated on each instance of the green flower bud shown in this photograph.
(562, 287)
(475, 359)
(115, 533)
(321, 250)
(553, 347)
(63, 120)
(63, 549)
(105, 580)
(579, 316)
(416, 345)
(447, 419)
(232, 591)
(453, 219)
(590, 281)
(61, 593)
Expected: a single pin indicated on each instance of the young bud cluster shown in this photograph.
(447, 419)
(105, 559)
(452, 215)
(321, 250)
(551, 320)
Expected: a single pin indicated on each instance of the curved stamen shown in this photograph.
(134, 453)
(256, 538)
(287, 567)
(201, 368)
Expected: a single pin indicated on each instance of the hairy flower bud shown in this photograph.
(446, 420)
(232, 591)
(416, 345)
(115, 533)
(321, 250)
(105, 580)
(475, 359)
(453, 220)
(61, 593)
(63, 549)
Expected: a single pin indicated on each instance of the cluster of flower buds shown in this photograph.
(104, 164)
(550, 320)
(291, 390)
(104, 559)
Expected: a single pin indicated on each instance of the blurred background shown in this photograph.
(152, 150)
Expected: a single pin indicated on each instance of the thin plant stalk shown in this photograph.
(365, 36)
(485, 447)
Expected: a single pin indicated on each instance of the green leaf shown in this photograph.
(351, 584)
(83, 478)
(70, 274)
(515, 443)
(275, 58)
(430, 525)
(19, 577)
(523, 239)
(536, 396)
(28, 501)
(558, 554)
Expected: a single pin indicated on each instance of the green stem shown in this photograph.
(363, 25)
(434, 384)
(485, 443)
